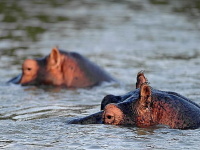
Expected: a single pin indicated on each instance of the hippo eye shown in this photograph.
(29, 69)
(109, 117)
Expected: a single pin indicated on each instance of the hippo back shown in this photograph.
(94, 73)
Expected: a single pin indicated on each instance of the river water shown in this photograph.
(122, 36)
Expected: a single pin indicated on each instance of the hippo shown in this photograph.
(61, 68)
(146, 107)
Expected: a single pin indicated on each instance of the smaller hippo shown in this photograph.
(145, 107)
(60, 68)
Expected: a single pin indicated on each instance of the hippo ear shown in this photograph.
(54, 58)
(141, 79)
(145, 95)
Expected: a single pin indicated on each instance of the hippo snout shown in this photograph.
(15, 80)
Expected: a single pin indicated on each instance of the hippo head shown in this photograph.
(135, 111)
(129, 108)
(45, 70)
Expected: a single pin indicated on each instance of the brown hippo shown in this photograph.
(60, 68)
(145, 107)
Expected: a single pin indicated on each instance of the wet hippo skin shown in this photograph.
(145, 107)
(60, 68)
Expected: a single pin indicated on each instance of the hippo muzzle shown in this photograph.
(15, 80)
(91, 119)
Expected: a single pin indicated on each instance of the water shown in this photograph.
(124, 37)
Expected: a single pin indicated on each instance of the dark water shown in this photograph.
(159, 36)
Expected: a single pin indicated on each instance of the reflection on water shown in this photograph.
(123, 36)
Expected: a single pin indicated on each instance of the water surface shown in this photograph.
(123, 37)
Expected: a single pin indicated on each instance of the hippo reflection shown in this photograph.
(60, 68)
(145, 107)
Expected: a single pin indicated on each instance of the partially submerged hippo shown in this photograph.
(145, 107)
(61, 68)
